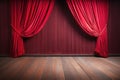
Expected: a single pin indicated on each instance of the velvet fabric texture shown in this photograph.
(92, 17)
(27, 19)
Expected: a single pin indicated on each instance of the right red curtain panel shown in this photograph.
(92, 16)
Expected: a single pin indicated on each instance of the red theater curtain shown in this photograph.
(27, 19)
(92, 16)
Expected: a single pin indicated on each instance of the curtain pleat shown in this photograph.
(92, 17)
(27, 19)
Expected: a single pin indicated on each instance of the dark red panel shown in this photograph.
(114, 27)
(4, 27)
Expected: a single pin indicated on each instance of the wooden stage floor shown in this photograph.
(60, 68)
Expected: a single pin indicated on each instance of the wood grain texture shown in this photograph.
(59, 68)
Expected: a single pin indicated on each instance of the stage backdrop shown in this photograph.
(61, 34)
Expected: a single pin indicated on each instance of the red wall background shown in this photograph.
(114, 27)
(61, 34)
(4, 27)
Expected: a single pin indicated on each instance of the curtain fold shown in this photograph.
(92, 16)
(27, 19)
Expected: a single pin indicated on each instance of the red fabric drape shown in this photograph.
(92, 16)
(27, 19)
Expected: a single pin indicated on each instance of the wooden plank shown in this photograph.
(58, 69)
(53, 70)
(12, 70)
(114, 60)
(106, 68)
(30, 71)
(91, 71)
(72, 70)
(40, 68)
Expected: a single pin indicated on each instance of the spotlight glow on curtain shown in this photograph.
(92, 16)
(27, 19)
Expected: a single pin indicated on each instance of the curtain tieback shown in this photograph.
(16, 30)
(103, 30)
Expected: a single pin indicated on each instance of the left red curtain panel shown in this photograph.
(27, 19)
